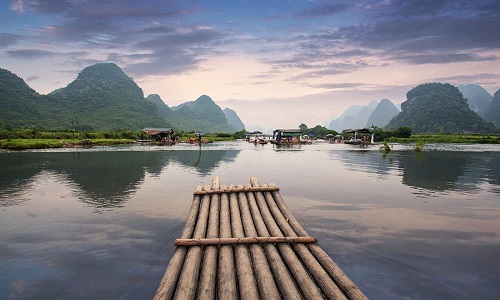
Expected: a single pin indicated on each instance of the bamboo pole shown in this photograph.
(343, 281)
(168, 283)
(327, 285)
(263, 274)
(306, 284)
(208, 275)
(186, 287)
(284, 280)
(245, 240)
(238, 189)
(227, 279)
(246, 278)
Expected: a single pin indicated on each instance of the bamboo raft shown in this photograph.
(242, 242)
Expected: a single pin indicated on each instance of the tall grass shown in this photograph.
(419, 146)
(385, 148)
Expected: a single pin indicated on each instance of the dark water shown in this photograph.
(100, 224)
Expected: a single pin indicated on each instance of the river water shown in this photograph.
(100, 223)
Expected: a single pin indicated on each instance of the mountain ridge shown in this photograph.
(101, 98)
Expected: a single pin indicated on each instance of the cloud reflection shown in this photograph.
(102, 179)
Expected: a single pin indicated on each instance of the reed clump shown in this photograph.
(419, 146)
(385, 148)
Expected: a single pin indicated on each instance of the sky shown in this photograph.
(277, 63)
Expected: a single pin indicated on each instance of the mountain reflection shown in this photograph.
(204, 161)
(104, 179)
(432, 170)
(367, 161)
(437, 171)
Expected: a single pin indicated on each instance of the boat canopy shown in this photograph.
(156, 131)
(287, 132)
(362, 130)
(254, 132)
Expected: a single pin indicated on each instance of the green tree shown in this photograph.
(403, 132)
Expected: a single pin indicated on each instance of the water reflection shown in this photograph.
(358, 203)
(436, 171)
(430, 171)
(204, 161)
(103, 179)
(367, 161)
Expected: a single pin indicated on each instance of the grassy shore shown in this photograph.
(24, 144)
(449, 138)
(61, 140)
(37, 139)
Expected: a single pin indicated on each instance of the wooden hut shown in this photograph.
(242, 242)
(158, 135)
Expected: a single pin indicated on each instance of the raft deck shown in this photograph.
(242, 242)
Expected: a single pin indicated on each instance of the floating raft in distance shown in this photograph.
(242, 242)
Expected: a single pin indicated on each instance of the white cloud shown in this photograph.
(18, 6)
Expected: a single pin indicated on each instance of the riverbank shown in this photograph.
(34, 139)
(24, 144)
(449, 138)
(46, 143)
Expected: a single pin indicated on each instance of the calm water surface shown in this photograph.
(100, 223)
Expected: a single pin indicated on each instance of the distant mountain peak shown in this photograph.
(107, 74)
(492, 114)
(204, 100)
(355, 116)
(382, 114)
(155, 98)
(477, 97)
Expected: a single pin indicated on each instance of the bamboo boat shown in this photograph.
(242, 242)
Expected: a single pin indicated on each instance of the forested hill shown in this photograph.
(101, 98)
(493, 112)
(203, 114)
(233, 119)
(20, 105)
(438, 107)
